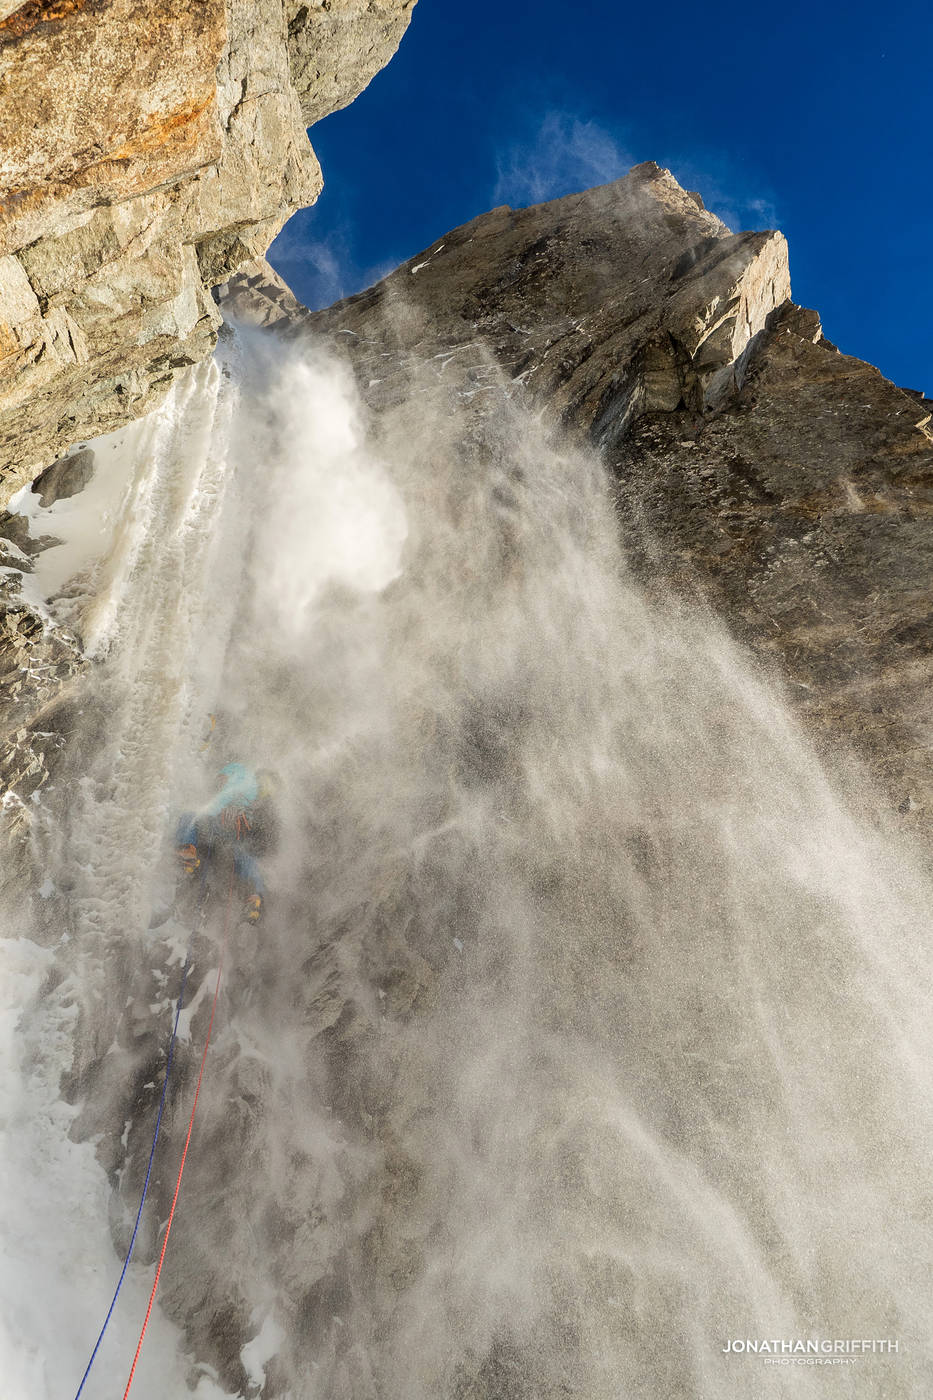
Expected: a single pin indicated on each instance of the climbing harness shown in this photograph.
(235, 819)
(142, 1199)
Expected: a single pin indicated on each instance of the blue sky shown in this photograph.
(815, 118)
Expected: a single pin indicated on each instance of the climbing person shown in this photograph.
(239, 820)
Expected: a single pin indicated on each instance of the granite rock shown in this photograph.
(803, 513)
(336, 46)
(149, 148)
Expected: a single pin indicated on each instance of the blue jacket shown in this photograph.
(240, 789)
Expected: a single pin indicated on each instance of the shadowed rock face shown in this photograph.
(604, 305)
(804, 513)
(36, 664)
(787, 484)
(756, 468)
(148, 149)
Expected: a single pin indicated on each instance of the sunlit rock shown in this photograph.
(146, 151)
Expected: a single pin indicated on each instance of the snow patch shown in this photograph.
(86, 522)
(418, 266)
(57, 1266)
(257, 1354)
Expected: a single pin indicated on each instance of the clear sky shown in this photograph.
(815, 118)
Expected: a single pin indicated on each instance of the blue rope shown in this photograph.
(129, 1253)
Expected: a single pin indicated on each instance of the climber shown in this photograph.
(240, 820)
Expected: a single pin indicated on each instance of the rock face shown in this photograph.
(149, 148)
(336, 46)
(787, 484)
(804, 513)
(755, 467)
(605, 305)
(258, 297)
(37, 661)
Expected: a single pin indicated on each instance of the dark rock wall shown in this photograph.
(804, 513)
(789, 486)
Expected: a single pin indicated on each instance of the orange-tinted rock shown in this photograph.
(134, 105)
(147, 149)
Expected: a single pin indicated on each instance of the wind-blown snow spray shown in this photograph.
(586, 1030)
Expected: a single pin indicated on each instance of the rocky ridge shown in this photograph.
(756, 467)
(149, 148)
(638, 270)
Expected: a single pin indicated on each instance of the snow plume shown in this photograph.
(323, 270)
(586, 1029)
(325, 267)
(339, 516)
(564, 156)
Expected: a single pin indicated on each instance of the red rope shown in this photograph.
(168, 1227)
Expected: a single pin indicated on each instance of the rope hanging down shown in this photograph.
(142, 1199)
(171, 1214)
